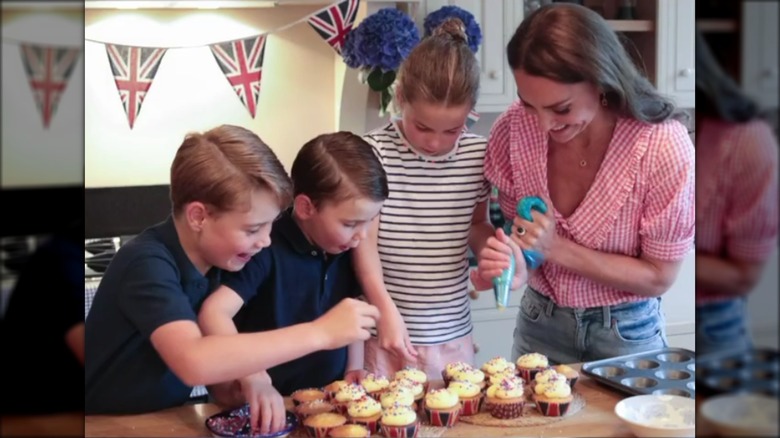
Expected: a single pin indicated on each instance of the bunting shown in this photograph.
(134, 69)
(241, 62)
(48, 70)
(334, 23)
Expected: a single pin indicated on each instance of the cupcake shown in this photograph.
(472, 375)
(497, 378)
(307, 395)
(469, 394)
(365, 411)
(418, 391)
(505, 400)
(400, 395)
(442, 407)
(545, 376)
(375, 385)
(399, 421)
(320, 425)
(414, 374)
(350, 431)
(451, 368)
(570, 373)
(348, 393)
(498, 365)
(553, 398)
(530, 364)
(307, 409)
(332, 388)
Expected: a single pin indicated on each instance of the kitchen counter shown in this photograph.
(597, 418)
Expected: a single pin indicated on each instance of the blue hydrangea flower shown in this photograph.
(383, 40)
(437, 17)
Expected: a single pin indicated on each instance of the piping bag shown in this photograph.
(502, 284)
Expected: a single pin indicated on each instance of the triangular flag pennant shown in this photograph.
(334, 23)
(48, 70)
(471, 119)
(134, 69)
(242, 63)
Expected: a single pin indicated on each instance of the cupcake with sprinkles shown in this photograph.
(414, 374)
(506, 399)
(399, 421)
(418, 391)
(530, 364)
(442, 407)
(348, 393)
(545, 376)
(375, 385)
(365, 411)
(470, 396)
(571, 374)
(498, 365)
(497, 378)
(553, 398)
(400, 395)
(472, 375)
(451, 368)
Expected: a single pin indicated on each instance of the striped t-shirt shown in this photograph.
(424, 229)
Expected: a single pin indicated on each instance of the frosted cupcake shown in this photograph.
(365, 411)
(399, 421)
(506, 399)
(571, 374)
(451, 368)
(348, 393)
(442, 407)
(498, 365)
(332, 388)
(307, 395)
(553, 398)
(320, 425)
(497, 378)
(546, 375)
(530, 364)
(472, 375)
(414, 374)
(470, 396)
(400, 395)
(375, 385)
(418, 391)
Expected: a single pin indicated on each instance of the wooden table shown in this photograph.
(597, 418)
(65, 424)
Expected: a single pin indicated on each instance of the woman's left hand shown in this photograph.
(538, 234)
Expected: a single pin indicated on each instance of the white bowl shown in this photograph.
(741, 415)
(658, 415)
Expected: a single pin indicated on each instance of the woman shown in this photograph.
(597, 142)
(736, 204)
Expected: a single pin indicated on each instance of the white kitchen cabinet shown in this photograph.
(498, 20)
(675, 64)
(759, 52)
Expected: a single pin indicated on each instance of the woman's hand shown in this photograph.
(539, 234)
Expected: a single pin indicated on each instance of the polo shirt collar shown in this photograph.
(170, 238)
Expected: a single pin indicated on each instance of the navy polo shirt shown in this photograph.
(150, 282)
(293, 282)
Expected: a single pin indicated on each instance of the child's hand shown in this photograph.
(355, 376)
(394, 337)
(346, 323)
(266, 406)
(494, 258)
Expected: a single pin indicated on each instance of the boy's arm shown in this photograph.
(368, 269)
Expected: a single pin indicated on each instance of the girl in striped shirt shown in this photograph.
(592, 137)
(414, 266)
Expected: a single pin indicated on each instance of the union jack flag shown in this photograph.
(48, 70)
(134, 69)
(242, 63)
(334, 23)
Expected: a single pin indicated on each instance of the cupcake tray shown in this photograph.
(753, 370)
(669, 371)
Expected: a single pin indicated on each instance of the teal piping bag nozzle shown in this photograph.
(502, 284)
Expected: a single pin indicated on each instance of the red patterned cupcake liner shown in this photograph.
(505, 411)
(552, 409)
(572, 382)
(340, 408)
(442, 418)
(409, 431)
(470, 406)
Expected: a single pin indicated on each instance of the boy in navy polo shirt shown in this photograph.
(144, 349)
(339, 187)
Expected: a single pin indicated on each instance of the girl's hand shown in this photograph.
(494, 258)
(355, 376)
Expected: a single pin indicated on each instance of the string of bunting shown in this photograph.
(49, 67)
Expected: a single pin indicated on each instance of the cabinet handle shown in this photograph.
(768, 73)
(492, 74)
(687, 72)
(476, 348)
(473, 294)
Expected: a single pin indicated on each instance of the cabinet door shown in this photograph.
(498, 21)
(676, 75)
(759, 52)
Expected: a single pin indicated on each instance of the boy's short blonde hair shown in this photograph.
(221, 167)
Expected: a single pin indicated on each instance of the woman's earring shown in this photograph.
(604, 99)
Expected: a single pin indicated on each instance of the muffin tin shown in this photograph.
(670, 371)
(751, 371)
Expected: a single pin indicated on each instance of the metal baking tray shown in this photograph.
(755, 370)
(670, 371)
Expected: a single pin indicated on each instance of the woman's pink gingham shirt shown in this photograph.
(736, 193)
(641, 201)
